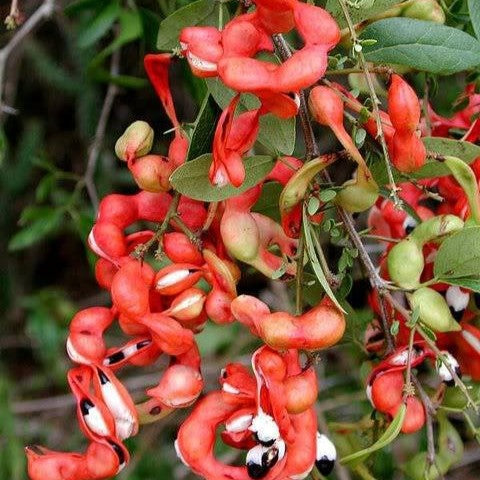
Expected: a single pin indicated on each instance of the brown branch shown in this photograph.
(42, 13)
(96, 145)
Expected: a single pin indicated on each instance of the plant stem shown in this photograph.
(408, 374)
(299, 275)
(375, 102)
(347, 71)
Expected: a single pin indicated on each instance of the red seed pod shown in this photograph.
(403, 105)
(85, 343)
(179, 249)
(387, 391)
(414, 416)
(301, 391)
(130, 289)
(217, 306)
(104, 273)
(176, 278)
(187, 305)
(327, 108)
(407, 152)
(152, 172)
(179, 387)
(320, 327)
(168, 334)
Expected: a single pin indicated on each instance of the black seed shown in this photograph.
(458, 372)
(256, 471)
(270, 457)
(456, 314)
(155, 410)
(409, 229)
(449, 383)
(115, 357)
(85, 406)
(267, 443)
(476, 298)
(118, 451)
(324, 465)
(142, 344)
(103, 378)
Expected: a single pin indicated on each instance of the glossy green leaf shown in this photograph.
(191, 178)
(99, 25)
(425, 46)
(277, 135)
(358, 14)
(474, 11)
(459, 255)
(312, 255)
(267, 204)
(387, 437)
(472, 283)
(201, 12)
(204, 129)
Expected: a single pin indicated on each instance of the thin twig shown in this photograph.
(429, 413)
(375, 101)
(96, 145)
(42, 13)
(346, 71)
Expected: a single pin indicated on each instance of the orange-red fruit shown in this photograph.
(387, 391)
(407, 152)
(403, 105)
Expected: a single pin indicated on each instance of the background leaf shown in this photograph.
(191, 178)
(425, 46)
(204, 128)
(358, 14)
(459, 255)
(100, 25)
(202, 12)
(466, 151)
(474, 10)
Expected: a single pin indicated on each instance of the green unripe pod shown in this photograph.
(405, 263)
(428, 10)
(435, 228)
(433, 310)
(135, 142)
(455, 398)
(450, 443)
(416, 468)
(358, 194)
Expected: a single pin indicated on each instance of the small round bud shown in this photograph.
(135, 142)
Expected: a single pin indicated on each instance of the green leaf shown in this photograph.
(3, 146)
(472, 283)
(38, 229)
(425, 46)
(100, 24)
(191, 178)
(466, 151)
(459, 255)
(267, 204)
(202, 12)
(277, 135)
(358, 14)
(312, 255)
(204, 129)
(388, 437)
(474, 11)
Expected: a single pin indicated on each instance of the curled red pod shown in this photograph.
(100, 461)
(414, 415)
(407, 152)
(187, 305)
(179, 386)
(85, 342)
(403, 105)
(179, 249)
(168, 334)
(320, 327)
(176, 278)
(130, 288)
(140, 351)
(387, 391)
(152, 172)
